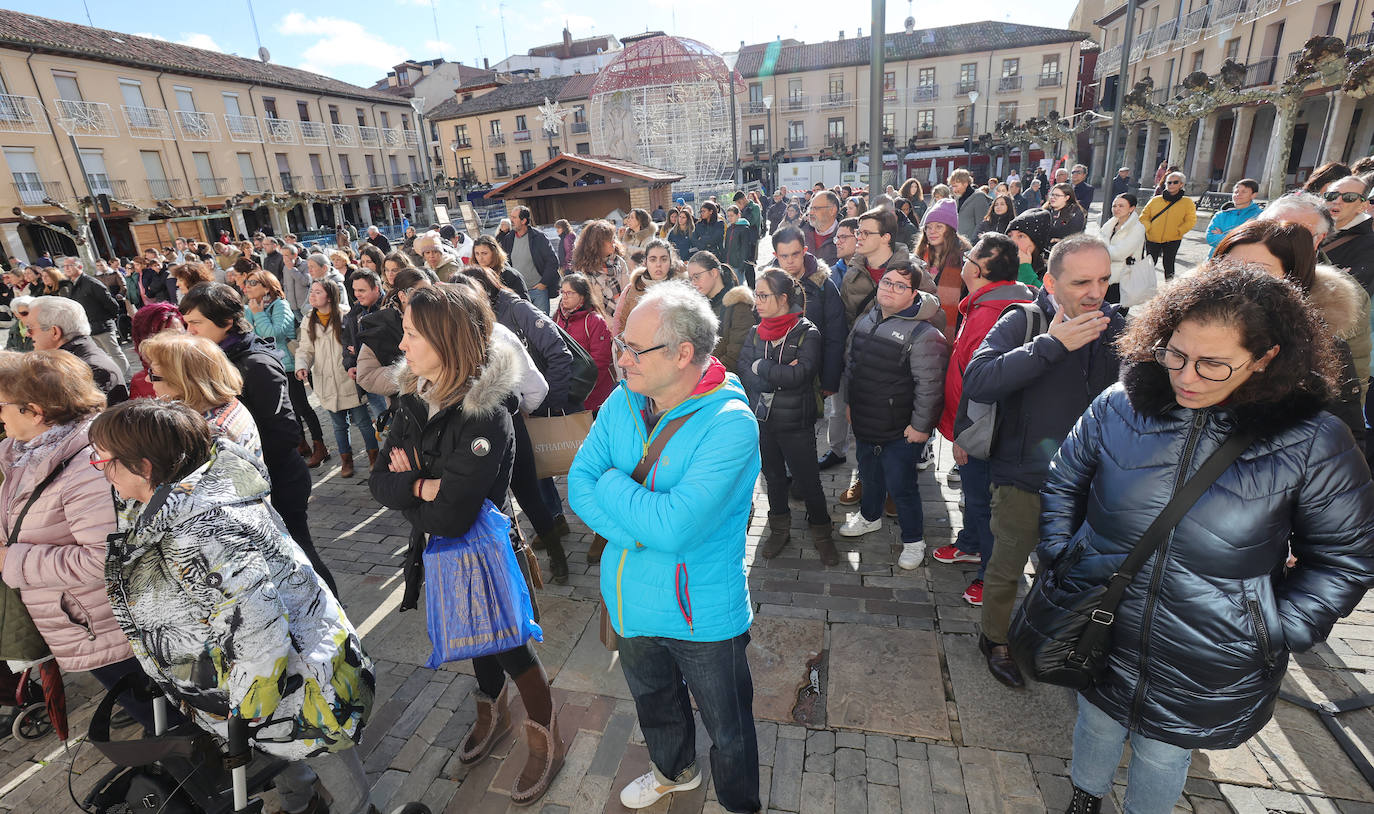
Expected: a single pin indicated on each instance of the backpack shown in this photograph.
(977, 436)
(584, 371)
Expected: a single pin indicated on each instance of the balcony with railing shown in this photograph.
(344, 135)
(796, 143)
(22, 114)
(212, 187)
(496, 139)
(412, 139)
(500, 171)
(376, 181)
(795, 101)
(1108, 62)
(1263, 72)
(33, 192)
(399, 179)
(925, 93)
(244, 129)
(1225, 13)
(1139, 44)
(1052, 79)
(755, 107)
(578, 128)
(369, 136)
(196, 126)
(323, 183)
(1259, 8)
(102, 184)
(1190, 30)
(289, 182)
(281, 131)
(166, 189)
(1009, 84)
(758, 148)
(315, 134)
(924, 132)
(961, 129)
(1359, 40)
(393, 139)
(148, 122)
(836, 142)
(255, 184)
(526, 166)
(840, 99)
(520, 135)
(86, 118)
(1163, 38)
(1159, 95)
(966, 86)
(350, 181)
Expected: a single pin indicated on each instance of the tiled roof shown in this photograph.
(578, 86)
(507, 97)
(619, 166)
(57, 37)
(923, 43)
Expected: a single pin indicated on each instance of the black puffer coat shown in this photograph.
(895, 374)
(544, 342)
(794, 388)
(1202, 636)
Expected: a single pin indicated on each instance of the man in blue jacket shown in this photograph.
(672, 574)
(1040, 387)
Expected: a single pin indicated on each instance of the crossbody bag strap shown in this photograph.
(1337, 243)
(11, 536)
(1095, 635)
(656, 448)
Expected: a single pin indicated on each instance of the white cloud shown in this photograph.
(196, 40)
(152, 36)
(436, 47)
(339, 43)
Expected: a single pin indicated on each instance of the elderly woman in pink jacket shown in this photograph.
(56, 510)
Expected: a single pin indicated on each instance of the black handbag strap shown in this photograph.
(12, 535)
(1095, 634)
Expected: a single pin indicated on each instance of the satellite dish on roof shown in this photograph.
(263, 54)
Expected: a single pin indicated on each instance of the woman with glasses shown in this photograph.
(55, 516)
(319, 358)
(194, 371)
(778, 366)
(19, 339)
(272, 319)
(894, 384)
(1067, 215)
(1167, 218)
(732, 303)
(579, 313)
(1201, 639)
(150, 320)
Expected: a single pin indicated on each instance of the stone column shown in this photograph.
(338, 214)
(14, 244)
(240, 225)
(310, 222)
(364, 211)
(1341, 110)
(1280, 145)
(1239, 153)
(1200, 176)
(1151, 160)
(1131, 157)
(279, 223)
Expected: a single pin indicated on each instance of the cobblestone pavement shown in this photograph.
(907, 718)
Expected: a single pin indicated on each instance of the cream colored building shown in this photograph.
(155, 121)
(1173, 39)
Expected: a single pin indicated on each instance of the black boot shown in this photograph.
(779, 532)
(558, 559)
(1083, 803)
(1000, 663)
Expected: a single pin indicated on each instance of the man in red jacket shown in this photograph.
(989, 272)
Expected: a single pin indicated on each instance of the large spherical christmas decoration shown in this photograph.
(663, 102)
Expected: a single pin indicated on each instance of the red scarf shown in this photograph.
(771, 329)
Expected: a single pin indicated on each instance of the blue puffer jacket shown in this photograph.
(674, 559)
(1201, 638)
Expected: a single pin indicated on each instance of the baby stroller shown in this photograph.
(32, 701)
(181, 771)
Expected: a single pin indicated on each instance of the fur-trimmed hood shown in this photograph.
(497, 381)
(1336, 296)
(738, 295)
(1147, 386)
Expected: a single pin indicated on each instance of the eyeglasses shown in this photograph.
(621, 348)
(251, 282)
(1209, 369)
(99, 463)
(153, 377)
(863, 233)
(698, 275)
(891, 285)
(1348, 197)
(1173, 183)
(763, 295)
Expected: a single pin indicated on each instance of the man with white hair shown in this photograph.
(376, 238)
(322, 271)
(667, 477)
(57, 323)
(101, 308)
(1350, 245)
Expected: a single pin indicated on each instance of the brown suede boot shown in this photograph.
(371, 460)
(779, 532)
(541, 767)
(594, 551)
(319, 456)
(821, 540)
(346, 471)
(493, 722)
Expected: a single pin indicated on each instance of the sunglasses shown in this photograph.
(1348, 197)
(1174, 183)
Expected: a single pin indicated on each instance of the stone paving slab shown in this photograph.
(886, 680)
(590, 667)
(1037, 720)
(778, 652)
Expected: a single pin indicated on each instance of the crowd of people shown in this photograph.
(982, 312)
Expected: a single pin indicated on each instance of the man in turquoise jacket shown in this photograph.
(672, 573)
(1243, 208)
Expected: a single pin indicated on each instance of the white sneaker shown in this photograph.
(856, 526)
(645, 790)
(925, 457)
(912, 555)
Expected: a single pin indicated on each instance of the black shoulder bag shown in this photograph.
(1063, 638)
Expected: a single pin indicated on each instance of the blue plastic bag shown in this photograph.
(476, 600)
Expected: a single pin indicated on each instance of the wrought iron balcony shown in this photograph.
(350, 181)
(520, 135)
(196, 126)
(1051, 80)
(369, 136)
(393, 139)
(255, 185)
(281, 131)
(148, 122)
(460, 144)
(412, 139)
(102, 184)
(376, 181)
(924, 132)
(967, 86)
(166, 189)
(344, 135)
(315, 134)
(578, 128)
(796, 143)
(1108, 62)
(755, 107)
(496, 139)
(840, 99)
(33, 192)
(796, 101)
(501, 171)
(244, 129)
(925, 93)
(323, 183)
(1263, 72)
(212, 187)
(289, 182)
(1009, 84)
(22, 114)
(86, 118)
(399, 179)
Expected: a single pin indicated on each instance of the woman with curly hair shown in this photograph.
(600, 256)
(1202, 636)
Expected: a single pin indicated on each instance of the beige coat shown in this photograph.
(323, 357)
(373, 376)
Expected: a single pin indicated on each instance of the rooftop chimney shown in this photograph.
(859, 32)
(486, 64)
(841, 33)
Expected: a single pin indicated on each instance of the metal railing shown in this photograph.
(836, 142)
(104, 185)
(289, 182)
(460, 144)
(399, 179)
(243, 129)
(256, 184)
(496, 139)
(500, 171)
(1139, 44)
(795, 101)
(314, 134)
(526, 166)
(966, 86)
(1226, 11)
(1159, 95)
(840, 99)
(1259, 8)
(376, 181)
(924, 132)
(350, 181)
(925, 93)
(755, 107)
(22, 114)
(281, 131)
(1107, 62)
(323, 183)
(212, 187)
(1190, 30)
(369, 136)
(520, 135)
(796, 143)
(961, 129)
(577, 128)
(1163, 38)
(166, 189)
(1008, 84)
(1262, 72)
(344, 135)
(148, 122)
(412, 139)
(1052, 80)
(393, 138)
(1359, 40)
(34, 192)
(196, 126)
(86, 118)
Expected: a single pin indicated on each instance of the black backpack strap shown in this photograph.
(1099, 628)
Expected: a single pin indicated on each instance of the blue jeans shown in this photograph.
(548, 490)
(976, 535)
(660, 673)
(1157, 771)
(360, 419)
(890, 469)
(376, 404)
(540, 298)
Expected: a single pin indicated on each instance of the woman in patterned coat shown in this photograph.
(222, 608)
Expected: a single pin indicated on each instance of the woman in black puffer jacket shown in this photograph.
(1202, 636)
(778, 366)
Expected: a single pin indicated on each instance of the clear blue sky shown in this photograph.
(358, 40)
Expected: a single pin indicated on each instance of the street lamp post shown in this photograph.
(972, 114)
(417, 103)
(730, 61)
(768, 117)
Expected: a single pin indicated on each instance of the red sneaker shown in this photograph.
(973, 594)
(949, 554)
